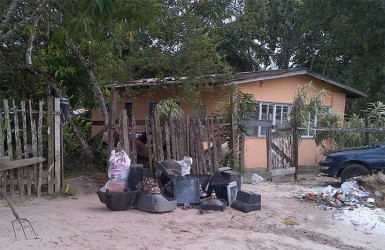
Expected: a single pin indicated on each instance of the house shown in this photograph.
(274, 92)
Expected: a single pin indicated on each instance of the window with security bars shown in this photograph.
(278, 113)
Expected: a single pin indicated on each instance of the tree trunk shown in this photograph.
(99, 95)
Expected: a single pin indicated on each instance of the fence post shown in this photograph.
(57, 143)
(234, 129)
(296, 117)
(367, 133)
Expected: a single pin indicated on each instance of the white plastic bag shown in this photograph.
(118, 166)
(186, 165)
(256, 178)
(118, 169)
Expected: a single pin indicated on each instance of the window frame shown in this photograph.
(271, 115)
(307, 134)
(271, 107)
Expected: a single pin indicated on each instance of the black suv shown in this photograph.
(353, 162)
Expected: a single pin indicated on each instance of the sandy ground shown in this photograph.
(83, 222)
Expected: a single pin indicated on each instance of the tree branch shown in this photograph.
(35, 14)
(58, 92)
(96, 86)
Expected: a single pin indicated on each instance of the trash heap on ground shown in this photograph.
(130, 185)
(351, 195)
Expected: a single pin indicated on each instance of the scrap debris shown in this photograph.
(350, 195)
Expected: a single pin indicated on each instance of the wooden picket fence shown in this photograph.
(21, 148)
(175, 139)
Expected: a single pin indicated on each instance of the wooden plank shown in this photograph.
(167, 135)
(125, 133)
(7, 164)
(33, 174)
(201, 154)
(282, 171)
(187, 126)
(268, 149)
(25, 145)
(112, 120)
(182, 138)
(17, 132)
(40, 147)
(296, 122)
(133, 134)
(214, 145)
(159, 139)
(9, 146)
(57, 146)
(192, 146)
(234, 127)
(209, 151)
(173, 139)
(3, 174)
(51, 149)
(1, 135)
(149, 144)
(20, 176)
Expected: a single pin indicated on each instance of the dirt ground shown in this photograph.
(83, 222)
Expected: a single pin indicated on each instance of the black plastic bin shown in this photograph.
(118, 201)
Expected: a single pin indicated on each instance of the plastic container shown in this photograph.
(102, 196)
(155, 203)
(118, 201)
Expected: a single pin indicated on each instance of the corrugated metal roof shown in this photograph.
(245, 77)
(239, 78)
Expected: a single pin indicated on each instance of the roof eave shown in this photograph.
(351, 92)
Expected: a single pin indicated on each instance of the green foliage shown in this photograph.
(73, 158)
(242, 109)
(168, 109)
(308, 106)
(245, 109)
(335, 139)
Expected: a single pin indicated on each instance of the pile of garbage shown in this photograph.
(350, 195)
(375, 183)
(172, 185)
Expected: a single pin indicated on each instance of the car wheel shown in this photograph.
(353, 171)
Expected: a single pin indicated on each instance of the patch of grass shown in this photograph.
(290, 223)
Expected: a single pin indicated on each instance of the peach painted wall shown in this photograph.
(281, 90)
(256, 154)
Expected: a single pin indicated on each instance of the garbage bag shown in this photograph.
(185, 164)
(256, 178)
(118, 169)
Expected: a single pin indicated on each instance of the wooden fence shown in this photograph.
(21, 148)
(175, 139)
